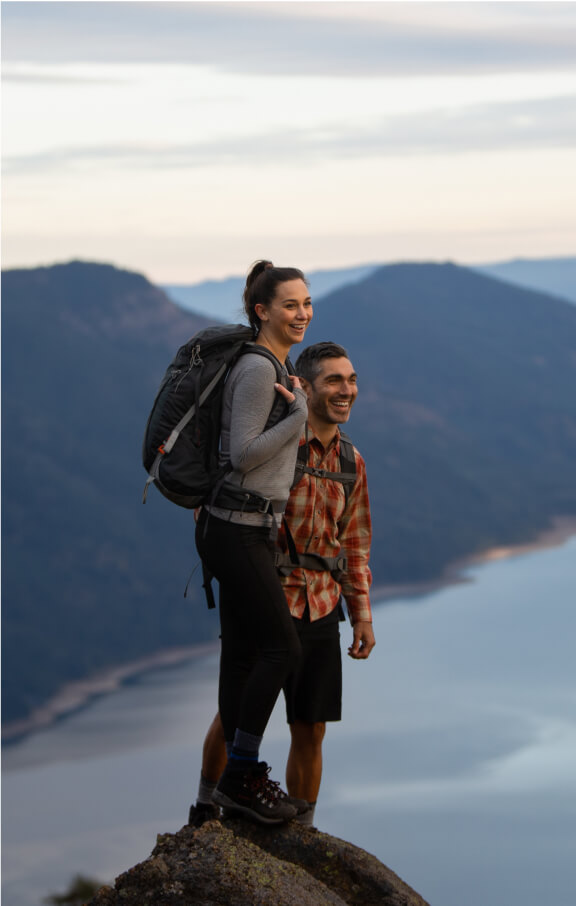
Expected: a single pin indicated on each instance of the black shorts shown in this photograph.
(313, 691)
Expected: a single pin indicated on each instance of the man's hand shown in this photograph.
(364, 641)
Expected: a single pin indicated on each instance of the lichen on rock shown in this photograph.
(237, 863)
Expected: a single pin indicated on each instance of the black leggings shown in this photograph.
(260, 645)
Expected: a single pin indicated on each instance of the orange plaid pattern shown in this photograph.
(322, 523)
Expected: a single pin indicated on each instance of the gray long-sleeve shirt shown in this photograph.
(262, 461)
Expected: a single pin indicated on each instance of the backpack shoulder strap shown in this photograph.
(347, 464)
(257, 349)
(279, 408)
(285, 563)
(262, 350)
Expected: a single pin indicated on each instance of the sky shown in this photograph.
(185, 140)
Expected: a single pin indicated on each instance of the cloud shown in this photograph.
(547, 123)
(32, 76)
(298, 38)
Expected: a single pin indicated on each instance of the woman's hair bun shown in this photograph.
(257, 268)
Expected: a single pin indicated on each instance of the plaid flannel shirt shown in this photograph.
(321, 522)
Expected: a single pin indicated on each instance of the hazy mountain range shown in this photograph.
(555, 276)
(223, 298)
(466, 417)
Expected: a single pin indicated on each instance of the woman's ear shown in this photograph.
(261, 311)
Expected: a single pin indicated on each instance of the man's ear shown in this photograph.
(306, 387)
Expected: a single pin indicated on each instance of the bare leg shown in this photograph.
(214, 752)
(213, 763)
(304, 766)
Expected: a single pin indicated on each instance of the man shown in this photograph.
(327, 519)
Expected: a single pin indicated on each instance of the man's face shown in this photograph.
(332, 394)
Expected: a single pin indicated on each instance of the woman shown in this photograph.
(235, 538)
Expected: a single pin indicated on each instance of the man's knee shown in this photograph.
(308, 734)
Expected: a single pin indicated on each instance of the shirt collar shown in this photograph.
(310, 437)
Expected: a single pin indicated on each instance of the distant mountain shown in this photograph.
(222, 299)
(555, 276)
(466, 417)
(90, 576)
(466, 412)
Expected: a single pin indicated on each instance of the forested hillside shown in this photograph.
(466, 417)
(466, 411)
(91, 577)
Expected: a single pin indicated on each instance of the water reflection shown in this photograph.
(454, 763)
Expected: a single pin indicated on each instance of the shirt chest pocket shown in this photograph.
(329, 503)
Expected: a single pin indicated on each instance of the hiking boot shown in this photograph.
(249, 791)
(202, 812)
(301, 805)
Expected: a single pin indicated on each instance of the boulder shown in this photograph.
(237, 863)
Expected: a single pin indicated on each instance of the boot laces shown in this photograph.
(265, 788)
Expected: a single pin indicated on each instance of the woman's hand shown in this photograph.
(283, 391)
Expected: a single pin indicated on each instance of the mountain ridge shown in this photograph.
(460, 355)
(76, 396)
(466, 417)
(552, 276)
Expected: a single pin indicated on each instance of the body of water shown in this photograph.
(455, 763)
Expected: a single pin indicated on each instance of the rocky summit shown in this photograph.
(236, 863)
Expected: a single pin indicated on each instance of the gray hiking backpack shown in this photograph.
(181, 442)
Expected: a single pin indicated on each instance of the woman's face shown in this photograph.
(288, 315)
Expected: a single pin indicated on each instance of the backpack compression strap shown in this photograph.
(347, 475)
(176, 431)
(276, 412)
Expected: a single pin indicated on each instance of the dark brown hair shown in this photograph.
(308, 362)
(261, 285)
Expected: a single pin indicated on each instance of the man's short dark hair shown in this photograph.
(308, 362)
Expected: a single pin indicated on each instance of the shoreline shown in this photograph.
(562, 528)
(75, 695)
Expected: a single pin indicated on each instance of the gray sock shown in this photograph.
(205, 790)
(308, 817)
(246, 746)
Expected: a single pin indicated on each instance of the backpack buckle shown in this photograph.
(265, 506)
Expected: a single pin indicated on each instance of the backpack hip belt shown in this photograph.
(236, 498)
(336, 566)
